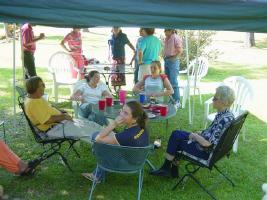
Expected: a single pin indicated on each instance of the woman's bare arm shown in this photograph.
(138, 86)
(202, 141)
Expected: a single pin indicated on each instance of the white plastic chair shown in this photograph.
(198, 68)
(243, 98)
(76, 104)
(60, 65)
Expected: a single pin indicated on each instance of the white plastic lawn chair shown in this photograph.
(76, 104)
(243, 99)
(60, 65)
(198, 68)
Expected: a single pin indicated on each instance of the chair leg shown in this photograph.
(140, 183)
(152, 167)
(180, 181)
(185, 96)
(235, 146)
(56, 93)
(167, 124)
(244, 132)
(71, 147)
(200, 96)
(65, 161)
(93, 186)
(190, 174)
(226, 177)
(200, 185)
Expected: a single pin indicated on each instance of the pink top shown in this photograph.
(172, 44)
(28, 37)
(75, 42)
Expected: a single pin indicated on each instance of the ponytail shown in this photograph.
(138, 113)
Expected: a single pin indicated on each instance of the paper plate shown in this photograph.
(151, 115)
(146, 106)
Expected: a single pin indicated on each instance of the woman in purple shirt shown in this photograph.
(134, 118)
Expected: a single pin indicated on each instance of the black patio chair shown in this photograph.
(54, 144)
(222, 149)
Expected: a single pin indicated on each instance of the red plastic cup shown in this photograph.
(163, 110)
(109, 101)
(101, 104)
(122, 96)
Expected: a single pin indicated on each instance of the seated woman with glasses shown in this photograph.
(89, 94)
(199, 144)
(54, 122)
(155, 85)
(134, 118)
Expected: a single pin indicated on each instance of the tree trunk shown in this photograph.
(250, 40)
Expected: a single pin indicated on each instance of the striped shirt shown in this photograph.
(221, 122)
(74, 41)
(28, 37)
(172, 45)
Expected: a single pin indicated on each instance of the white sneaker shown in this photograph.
(157, 143)
(178, 105)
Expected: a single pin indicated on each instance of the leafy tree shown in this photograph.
(196, 46)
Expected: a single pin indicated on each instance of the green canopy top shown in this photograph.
(245, 15)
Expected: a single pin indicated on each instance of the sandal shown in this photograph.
(30, 170)
(91, 177)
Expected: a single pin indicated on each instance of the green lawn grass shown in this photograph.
(247, 168)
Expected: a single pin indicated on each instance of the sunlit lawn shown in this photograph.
(247, 168)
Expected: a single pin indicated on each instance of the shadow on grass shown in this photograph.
(54, 181)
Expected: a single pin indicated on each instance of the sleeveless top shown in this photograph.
(155, 85)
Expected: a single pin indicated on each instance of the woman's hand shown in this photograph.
(68, 117)
(118, 121)
(152, 94)
(77, 98)
(198, 138)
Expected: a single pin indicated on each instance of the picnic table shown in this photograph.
(113, 111)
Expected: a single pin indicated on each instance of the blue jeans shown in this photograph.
(136, 66)
(86, 111)
(178, 141)
(172, 67)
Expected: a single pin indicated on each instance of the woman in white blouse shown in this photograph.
(89, 94)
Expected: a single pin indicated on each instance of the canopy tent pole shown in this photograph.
(188, 79)
(14, 77)
(22, 54)
(196, 67)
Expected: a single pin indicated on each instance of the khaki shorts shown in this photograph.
(143, 70)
